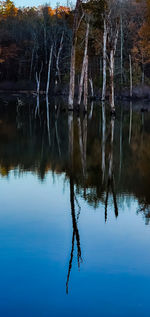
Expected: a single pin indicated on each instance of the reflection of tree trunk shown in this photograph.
(42, 147)
(120, 164)
(38, 79)
(74, 221)
(57, 138)
(103, 140)
(70, 134)
(48, 123)
(114, 196)
(37, 109)
(70, 262)
(111, 149)
(130, 126)
(111, 181)
(91, 111)
(112, 101)
(91, 85)
(83, 142)
(75, 234)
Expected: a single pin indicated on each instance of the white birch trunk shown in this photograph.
(45, 44)
(111, 69)
(73, 55)
(58, 57)
(121, 49)
(104, 60)
(72, 76)
(49, 70)
(86, 84)
(83, 65)
(131, 83)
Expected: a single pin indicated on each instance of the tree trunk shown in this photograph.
(45, 44)
(83, 65)
(121, 49)
(104, 60)
(58, 57)
(113, 38)
(49, 70)
(86, 84)
(76, 24)
(72, 76)
(131, 84)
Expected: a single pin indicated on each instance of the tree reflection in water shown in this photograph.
(118, 164)
(75, 234)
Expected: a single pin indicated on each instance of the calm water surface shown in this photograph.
(74, 211)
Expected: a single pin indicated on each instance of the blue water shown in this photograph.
(64, 249)
(35, 244)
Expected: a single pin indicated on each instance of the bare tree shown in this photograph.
(58, 58)
(131, 84)
(112, 39)
(84, 65)
(76, 24)
(104, 59)
(49, 70)
(85, 100)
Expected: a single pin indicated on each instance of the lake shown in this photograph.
(74, 210)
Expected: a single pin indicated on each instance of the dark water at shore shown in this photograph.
(74, 210)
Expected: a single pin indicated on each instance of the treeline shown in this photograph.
(100, 42)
